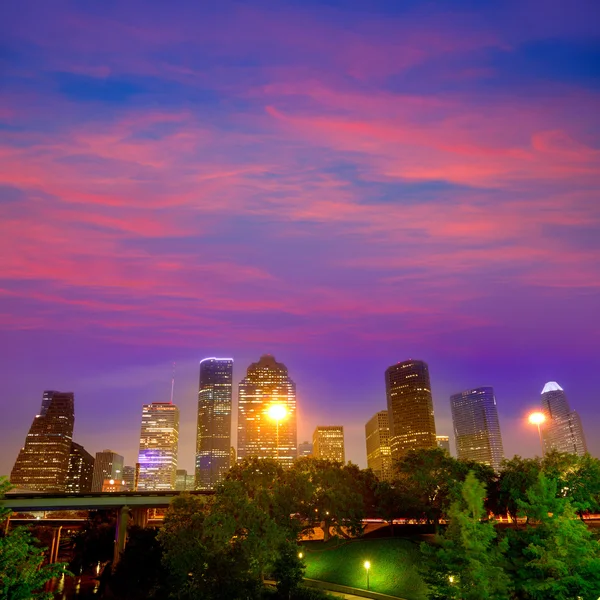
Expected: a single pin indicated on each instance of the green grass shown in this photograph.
(393, 565)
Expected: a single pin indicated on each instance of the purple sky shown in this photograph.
(341, 187)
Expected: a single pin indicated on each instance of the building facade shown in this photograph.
(81, 470)
(476, 426)
(443, 442)
(267, 413)
(379, 452)
(129, 478)
(213, 435)
(410, 407)
(328, 443)
(107, 465)
(562, 430)
(43, 463)
(159, 444)
(183, 481)
(305, 449)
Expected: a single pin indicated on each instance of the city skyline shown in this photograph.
(344, 185)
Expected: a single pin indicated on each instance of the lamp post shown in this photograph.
(367, 566)
(277, 412)
(537, 418)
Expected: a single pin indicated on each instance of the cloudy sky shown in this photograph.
(342, 184)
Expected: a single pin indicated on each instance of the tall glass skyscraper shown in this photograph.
(81, 470)
(476, 426)
(43, 462)
(410, 407)
(107, 465)
(213, 435)
(562, 430)
(265, 431)
(379, 454)
(159, 442)
(328, 443)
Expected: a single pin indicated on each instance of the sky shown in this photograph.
(342, 184)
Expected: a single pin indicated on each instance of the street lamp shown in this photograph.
(367, 566)
(277, 412)
(537, 418)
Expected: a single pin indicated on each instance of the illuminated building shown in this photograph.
(213, 437)
(443, 442)
(328, 443)
(379, 453)
(476, 426)
(183, 481)
(410, 407)
(107, 465)
(267, 384)
(562, 429)
(159, 442)
(305, 449)
(81, 470)
(129, 478)
(114, 485)
(43, 462)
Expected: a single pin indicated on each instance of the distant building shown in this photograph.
(410, 407)
(107, 465)
(81, 470)
(265, 390)
(159, 443)
(476, 426)
(114, 485)
(328, 443)
(129, 478)
(305, 449)
(443, 442)
(213, 438)
(43, 462)
(232, 456)
(379, 453)
(183, 481)
(562, 430)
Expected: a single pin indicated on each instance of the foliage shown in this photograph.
(288, 570)
(95, 542)
(467, 563)
(555, 558)
(22, 572)
(517, 475)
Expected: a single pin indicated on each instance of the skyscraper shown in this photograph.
(267, 412)
(81, 470)
(443, 442)
(379, 453)
(43, 462)
(410, 407)
(159, 442)
(305, 449)
(213, 437)
(107, 465)
(183, 481)
(476, 426)
(129, 478)
(562, 429)
(328, 443)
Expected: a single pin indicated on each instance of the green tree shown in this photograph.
(467, 561)
(22, 570)
(555, 557)
(288, 570)
(517, 475)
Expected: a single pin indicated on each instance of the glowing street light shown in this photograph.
(277, 412)
(300, 555)
(537, 418)
(367, 566)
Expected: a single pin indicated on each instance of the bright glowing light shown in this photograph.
(277, 412)
(537, 418)
(367, 565)
(300, 555)
(112, 482)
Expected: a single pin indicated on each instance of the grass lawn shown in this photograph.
(393, 565)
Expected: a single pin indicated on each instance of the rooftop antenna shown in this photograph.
(172, 383)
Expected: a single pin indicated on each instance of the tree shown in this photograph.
(517, 475)
(22, 572)
(556, 557)
(467, 562)
(288, 570)
(95, 542)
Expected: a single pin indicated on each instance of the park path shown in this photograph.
(349, 593)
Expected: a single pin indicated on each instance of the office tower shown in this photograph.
(108, 465)
(183, 481)
(410, 407)
(213, 436)
(81, 470)
(562, 429)
(328, 443)
(379, 453)
(43, 462)
(443, 442)
(129, 478)
(305, 449)
(476, 426)
(267, 412)
(159, 441)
